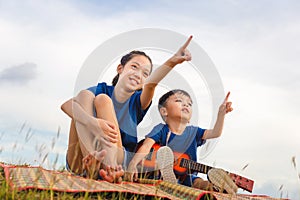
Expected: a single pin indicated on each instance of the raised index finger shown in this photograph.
(226, 98)
(186, 44)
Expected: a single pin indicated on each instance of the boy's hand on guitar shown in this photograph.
(132, 173)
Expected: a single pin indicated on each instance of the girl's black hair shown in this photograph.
(127, 58)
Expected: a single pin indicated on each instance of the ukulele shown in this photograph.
(184, 165)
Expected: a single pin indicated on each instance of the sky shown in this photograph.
(254, 46)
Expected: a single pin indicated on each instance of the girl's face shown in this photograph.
(178, 106)
(132, 76)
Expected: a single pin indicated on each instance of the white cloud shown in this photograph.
(19, 74)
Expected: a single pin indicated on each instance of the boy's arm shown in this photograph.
(138, 157)
(217, 130)
(157, 75)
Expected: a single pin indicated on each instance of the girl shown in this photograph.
(105, 118)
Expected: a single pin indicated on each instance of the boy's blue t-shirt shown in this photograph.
(129, 114)
(186, 143)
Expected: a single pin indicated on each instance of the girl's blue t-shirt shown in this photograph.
(129, 114)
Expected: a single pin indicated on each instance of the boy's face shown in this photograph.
(178, 106)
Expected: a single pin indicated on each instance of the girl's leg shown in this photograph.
(86, 138)
(74, 154)
(81, 141)
(105, 110)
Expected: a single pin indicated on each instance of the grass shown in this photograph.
(7, 193)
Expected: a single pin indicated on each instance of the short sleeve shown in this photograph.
(92, 89)
(200, 133)
(135, 104)
(157, 133)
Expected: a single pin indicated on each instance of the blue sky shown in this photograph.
(255, 46)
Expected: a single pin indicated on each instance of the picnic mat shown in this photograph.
(28, 177)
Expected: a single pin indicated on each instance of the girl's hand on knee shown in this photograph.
(108, 130)
(104, 131)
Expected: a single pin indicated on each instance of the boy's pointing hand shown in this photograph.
(226, 105)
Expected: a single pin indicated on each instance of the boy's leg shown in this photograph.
(165, 162)
(222, 181)
(105, 110)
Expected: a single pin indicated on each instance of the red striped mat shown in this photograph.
(25, 177)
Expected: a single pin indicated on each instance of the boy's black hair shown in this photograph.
(128, 57)
(163, 99)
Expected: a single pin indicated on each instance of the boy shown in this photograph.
(175, 108)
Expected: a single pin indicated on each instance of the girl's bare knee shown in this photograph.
(102, 100)
(85, 96)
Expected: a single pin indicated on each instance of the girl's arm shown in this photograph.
(67, 107)
(180, 56)
(138, 157)
(98, 127)
(217, 130)
(74, 109)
